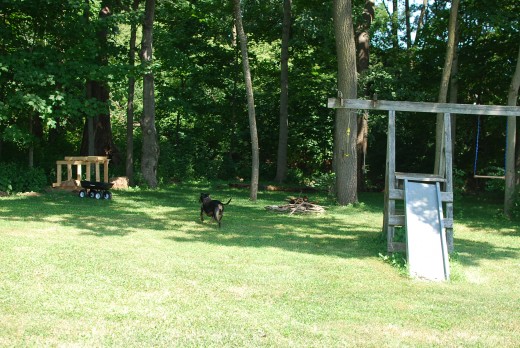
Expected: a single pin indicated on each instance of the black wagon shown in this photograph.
(95, 189)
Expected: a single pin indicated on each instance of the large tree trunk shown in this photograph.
(150, 150)
(255, 150)
(512, 98)
(97, 134)
(443, 90)
(345, 133)
(363, 61)
(130, 102)
(281, 165)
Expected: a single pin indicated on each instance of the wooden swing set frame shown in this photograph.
(444, 171)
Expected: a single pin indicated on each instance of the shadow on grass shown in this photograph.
(299, 234)
(483, 214)
(126, 213)
(470, 252)
(174, 213)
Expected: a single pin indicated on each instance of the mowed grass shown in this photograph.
(141, 270)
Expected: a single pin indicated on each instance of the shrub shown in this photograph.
(17, 178)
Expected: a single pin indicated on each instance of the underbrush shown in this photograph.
(17, 178)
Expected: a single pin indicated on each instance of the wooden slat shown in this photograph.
(398, 194)
(419, 177)
(468, 109)
(87, 158)
(399, 220)
(396, 220)
(74, 163)
(448, 222)
(396, 247)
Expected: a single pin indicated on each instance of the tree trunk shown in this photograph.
(443, 91)
(281, 165)
(454, 90)
(408, 26)
(420, 24)
(363, 62)
(97, 135)
(345, 133)
(395, 24)
(130, 102)
(150, 150)
(255, 167)
(512, 98)
(31, 145)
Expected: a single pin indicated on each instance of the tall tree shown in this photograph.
(150, 150)
(255, 150)
(131, 93)
(420, 23)
(408, 25)
(445, 81)
(395, 24)
(512, 98)
(454, 87)
(345, 133)
(281, 165)
(97, 134)
(363, 60)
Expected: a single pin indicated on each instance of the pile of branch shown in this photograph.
(300, 205)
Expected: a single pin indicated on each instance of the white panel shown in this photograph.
(425, 239)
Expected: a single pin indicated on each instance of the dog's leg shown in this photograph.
(218, 214)
(201, 214)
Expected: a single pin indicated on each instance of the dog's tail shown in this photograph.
(227, 202)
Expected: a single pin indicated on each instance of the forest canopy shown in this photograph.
(64, 64)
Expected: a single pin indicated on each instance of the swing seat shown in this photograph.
(489, 177)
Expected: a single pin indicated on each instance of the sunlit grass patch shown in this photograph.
(143, 270)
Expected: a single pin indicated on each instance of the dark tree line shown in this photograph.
(68, 73)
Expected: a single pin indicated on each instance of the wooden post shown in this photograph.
(105, 169)
(509, 196)
(87, 174)
(389, 209)
(98, 175)
(58, 174)
(448, 175)
(69, 171)
(78, 171)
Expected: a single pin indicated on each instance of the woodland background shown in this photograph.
(63, 63)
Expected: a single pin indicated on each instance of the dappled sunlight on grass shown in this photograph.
(142, 269)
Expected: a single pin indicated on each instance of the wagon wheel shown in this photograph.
(97, 195)
(92, 193)
(83, 193)
(107, 195)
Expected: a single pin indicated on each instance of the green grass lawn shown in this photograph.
(141, 270)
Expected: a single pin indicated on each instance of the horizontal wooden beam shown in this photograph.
(467, 109)
(398, 194)
(400, 220)
(396, 247)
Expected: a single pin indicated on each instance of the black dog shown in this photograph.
(211, 207)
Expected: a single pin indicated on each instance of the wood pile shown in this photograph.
(300, 205)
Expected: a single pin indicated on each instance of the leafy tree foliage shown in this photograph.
(49, 50)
